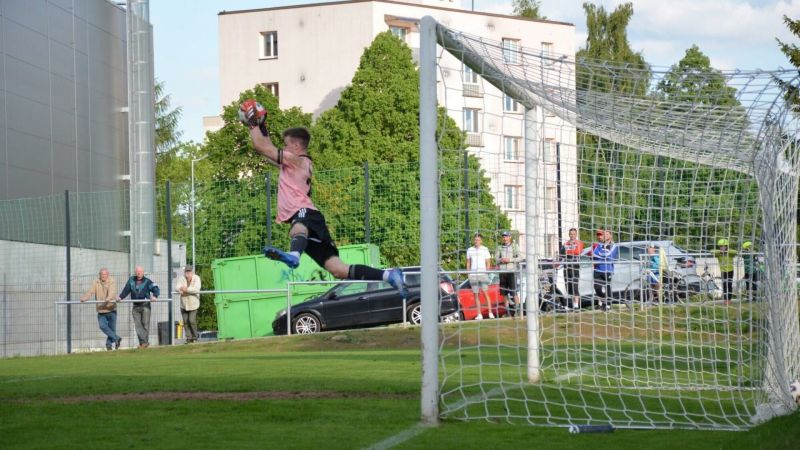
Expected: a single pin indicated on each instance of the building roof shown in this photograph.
(346, 2)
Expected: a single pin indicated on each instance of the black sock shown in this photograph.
(362, 272)
(299, 242)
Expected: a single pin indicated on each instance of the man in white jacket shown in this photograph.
(189, 288)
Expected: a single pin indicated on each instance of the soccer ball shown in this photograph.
(794, 389)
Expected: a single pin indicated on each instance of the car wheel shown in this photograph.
(306, 323)
(414, 314)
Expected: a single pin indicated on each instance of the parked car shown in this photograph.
(358, 305)
(466, 299)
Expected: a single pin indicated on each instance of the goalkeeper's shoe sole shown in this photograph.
(278, 255)
(397, 280)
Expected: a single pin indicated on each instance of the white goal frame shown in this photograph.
(771, 168)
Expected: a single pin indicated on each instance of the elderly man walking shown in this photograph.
(141, 288)
(189, 288)
(103, 289)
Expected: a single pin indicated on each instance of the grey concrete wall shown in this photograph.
(62, 86)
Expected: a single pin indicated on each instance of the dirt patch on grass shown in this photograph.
(226, 396)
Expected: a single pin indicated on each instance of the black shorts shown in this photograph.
(508, 283)
(320, 244)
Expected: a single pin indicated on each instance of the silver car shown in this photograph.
(630, 271)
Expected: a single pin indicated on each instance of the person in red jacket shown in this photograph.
(571, 252)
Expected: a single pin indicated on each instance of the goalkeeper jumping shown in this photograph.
(309, 232)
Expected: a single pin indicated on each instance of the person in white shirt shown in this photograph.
(189, 287)
(478, 261)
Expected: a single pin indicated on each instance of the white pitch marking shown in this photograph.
(399, 438)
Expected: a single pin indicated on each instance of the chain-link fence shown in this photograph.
(208, 220)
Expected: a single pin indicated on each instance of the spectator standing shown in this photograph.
(508, 258)
(571, 252)
(752, 268)
(654, 270)
(725, 256)
(478, 261)
(140, 287)
(103, 289)
(604, 254)
(189, 286)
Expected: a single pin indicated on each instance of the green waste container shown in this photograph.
(251, 315)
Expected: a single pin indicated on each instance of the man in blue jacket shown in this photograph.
(604, 254)
(140, 287)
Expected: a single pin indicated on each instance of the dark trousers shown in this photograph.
(727, 285)
(141, 321)
(752, 280)
(190, 324)
(602, 285)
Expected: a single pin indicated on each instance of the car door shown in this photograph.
(349, 306)
(385, 304)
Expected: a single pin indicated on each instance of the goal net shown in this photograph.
(701, 331)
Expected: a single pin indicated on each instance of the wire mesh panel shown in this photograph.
(656, 210)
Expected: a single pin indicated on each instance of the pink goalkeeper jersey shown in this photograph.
(294, 188)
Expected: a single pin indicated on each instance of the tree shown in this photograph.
(693, 80)
(607, 63)
(607, 42)
(791, 92)
(167, 134)
(528, 8)
(692, 86)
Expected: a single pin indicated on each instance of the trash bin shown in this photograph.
(163, 333)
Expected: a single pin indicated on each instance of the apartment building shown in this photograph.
(307, 54)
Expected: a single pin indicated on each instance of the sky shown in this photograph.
(734, 34)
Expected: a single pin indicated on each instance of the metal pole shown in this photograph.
(5, 315)
(429, 223)
(467, 240)
(194, 259)
(532, 236)
(558, 193)
(268, 187)
(168, 212)
(67, 245)
(366, 202)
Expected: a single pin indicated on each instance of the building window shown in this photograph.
(549, 151)
(400, 32)
(470, 77)
(471, 120)
(511, 200)
(511, 51)
(551, 199)
(511, 148)
(272, 88)
(547, 53)
(269, 44)
(510, 105)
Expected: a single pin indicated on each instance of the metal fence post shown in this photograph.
(268, 188)
(366, 202)
(168, 212)
(67, 245)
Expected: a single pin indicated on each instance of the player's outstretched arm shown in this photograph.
(264, 145)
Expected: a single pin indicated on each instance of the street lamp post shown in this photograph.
(194, 256)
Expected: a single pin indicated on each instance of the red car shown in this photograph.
(466, 300)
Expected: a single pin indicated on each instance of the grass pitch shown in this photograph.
(347, 390)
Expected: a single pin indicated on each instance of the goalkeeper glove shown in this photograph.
(252, 114)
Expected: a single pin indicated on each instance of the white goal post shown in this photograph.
(626, 153)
